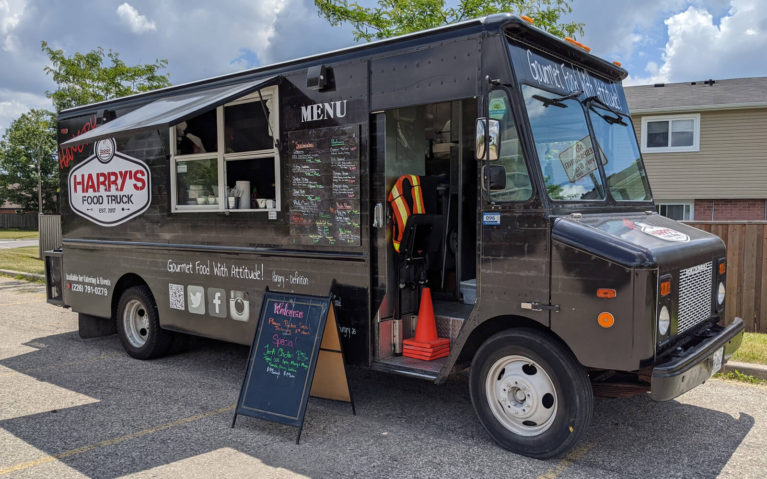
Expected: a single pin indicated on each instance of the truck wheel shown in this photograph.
(138, 324)
(530, 393)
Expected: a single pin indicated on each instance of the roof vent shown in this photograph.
(659, 85)
(709, 82)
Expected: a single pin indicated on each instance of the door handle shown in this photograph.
(378, 216)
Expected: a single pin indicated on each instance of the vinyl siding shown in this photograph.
(731, 163)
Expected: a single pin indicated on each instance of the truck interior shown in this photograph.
(435, 142)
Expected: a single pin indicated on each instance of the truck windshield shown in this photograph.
(563, 143)
(623, 166)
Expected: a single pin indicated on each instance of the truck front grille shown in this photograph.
(694, 295)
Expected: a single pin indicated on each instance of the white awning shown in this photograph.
(168, 111)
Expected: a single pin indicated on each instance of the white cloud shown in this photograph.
(699, 49)
(138, 23)
(619, 29)
(11, 12)
(14, 103)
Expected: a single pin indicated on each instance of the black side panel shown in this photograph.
(440, 72)
(575, 278)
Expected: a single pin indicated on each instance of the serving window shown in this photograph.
(226, 159)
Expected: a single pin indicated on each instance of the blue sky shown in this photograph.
(655, 40)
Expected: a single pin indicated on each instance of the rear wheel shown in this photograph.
(530, 393)
(138, 324)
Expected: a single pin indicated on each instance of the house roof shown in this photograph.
(697, 96)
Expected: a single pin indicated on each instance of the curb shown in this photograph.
(756, 370)
(28, 276)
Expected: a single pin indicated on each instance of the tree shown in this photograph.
(397, 17)
(29, 146)
(85, 78)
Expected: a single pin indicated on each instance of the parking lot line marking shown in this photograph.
(63, 365)
(111, 442)
(567, 462)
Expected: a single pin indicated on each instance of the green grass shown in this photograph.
(739, 376)
(14, 234)
(753, 349)
(22, 259)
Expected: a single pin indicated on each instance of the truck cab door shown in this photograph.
(513, 273)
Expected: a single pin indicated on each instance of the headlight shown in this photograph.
(664, 321)
(720, 294)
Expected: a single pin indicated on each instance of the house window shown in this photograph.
(670, 134)
(226, 159)
(676, 211)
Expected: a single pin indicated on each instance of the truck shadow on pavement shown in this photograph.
(134, 416)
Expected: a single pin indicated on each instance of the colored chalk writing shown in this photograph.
(283, 356)
(324, 207)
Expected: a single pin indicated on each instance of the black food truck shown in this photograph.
(528, 215)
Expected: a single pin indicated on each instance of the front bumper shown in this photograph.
(695, 365)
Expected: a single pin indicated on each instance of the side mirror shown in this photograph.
(495, 177)
(487, 139)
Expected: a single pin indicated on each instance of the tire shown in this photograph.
(138, 324)
(530, 393)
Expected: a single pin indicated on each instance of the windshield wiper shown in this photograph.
(612, 120)
(558, 100)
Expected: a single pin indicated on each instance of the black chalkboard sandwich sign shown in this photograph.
(297, 335)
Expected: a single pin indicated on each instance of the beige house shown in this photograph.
(6, 207)
(705, 147)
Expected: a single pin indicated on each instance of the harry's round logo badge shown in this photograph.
(667, 234)
(105, 150)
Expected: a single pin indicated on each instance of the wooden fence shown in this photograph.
(23, 222)
(746, 294)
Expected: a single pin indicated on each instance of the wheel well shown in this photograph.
(497, 324)
(127, 281)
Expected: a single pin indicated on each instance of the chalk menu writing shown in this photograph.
(324, 206)
(281, 363)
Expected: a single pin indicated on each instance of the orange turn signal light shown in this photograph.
(577, 43)
(606, 293)
(665, 288)
(527, 19)
(606, 320)
(722, 267)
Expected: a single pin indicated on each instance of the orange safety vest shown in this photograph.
(400, 207)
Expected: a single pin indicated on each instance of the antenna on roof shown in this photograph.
(709, 82)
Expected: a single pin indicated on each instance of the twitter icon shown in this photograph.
(196, 294)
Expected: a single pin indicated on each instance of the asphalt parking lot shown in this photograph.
(83, 408)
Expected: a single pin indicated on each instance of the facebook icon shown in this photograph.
(217, 302)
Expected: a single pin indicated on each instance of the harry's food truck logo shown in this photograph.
(109, 188)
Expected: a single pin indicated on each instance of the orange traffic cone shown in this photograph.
(426, 345)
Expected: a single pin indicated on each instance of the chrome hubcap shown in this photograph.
(521, 395)
(136, 323)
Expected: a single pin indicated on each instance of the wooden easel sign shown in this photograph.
(296, 353)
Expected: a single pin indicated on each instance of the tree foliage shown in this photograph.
(397, 17)
(97, 76)
(30, 139)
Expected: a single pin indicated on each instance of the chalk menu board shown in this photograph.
(324, 203)
(283, 357)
